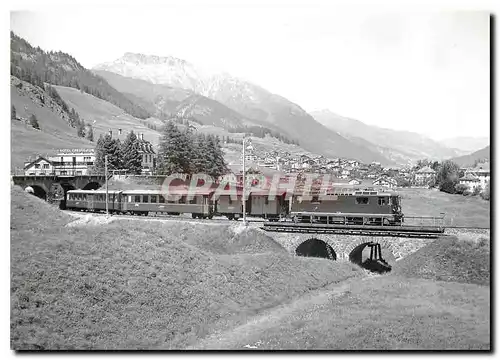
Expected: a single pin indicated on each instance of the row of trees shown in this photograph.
(180, 152)
(261, 132)
(189, 153)
(124, 155)
(448, 174)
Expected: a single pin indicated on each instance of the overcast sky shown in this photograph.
(423, 72)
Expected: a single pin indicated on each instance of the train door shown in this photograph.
(257, 206)
(248, 205)
(90, 202)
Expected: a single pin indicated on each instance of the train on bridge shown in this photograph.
(356, 207)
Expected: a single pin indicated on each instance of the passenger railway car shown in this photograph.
(142, 202)
(93, 200)
(356, 207)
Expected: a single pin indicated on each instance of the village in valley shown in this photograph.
(473, 179)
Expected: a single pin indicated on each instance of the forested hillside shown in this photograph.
(37, 66)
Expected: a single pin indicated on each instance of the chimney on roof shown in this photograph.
(119, 131)
(110, 132)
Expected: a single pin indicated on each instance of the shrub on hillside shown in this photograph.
(461, 189)
(34, 122)
(477, 190)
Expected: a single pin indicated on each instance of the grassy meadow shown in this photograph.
(459, 210)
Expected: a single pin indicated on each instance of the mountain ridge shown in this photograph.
(405, 144)
(470, 159)
(246, 98)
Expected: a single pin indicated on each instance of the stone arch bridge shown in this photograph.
(345, 246)
(42, 185)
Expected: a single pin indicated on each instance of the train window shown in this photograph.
(161, 199)
(382, 201)
(144, 198)
(137, 198)
(315, 199)
(362, 200)
(230, 201)
(182, 200)
(267, 200)
(193, 200)
(153, 199)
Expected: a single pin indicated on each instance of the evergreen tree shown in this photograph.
(81, 129)
(34, 122)
(216, 165)
(106, 145)
(219, 158)
(89, 133)
(447, 176)
(13, 114)
(199, 158)
(131, 157)
(174, 153)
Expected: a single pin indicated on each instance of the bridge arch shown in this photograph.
(66, 186)
(38, 190)
(93, 185)
(359, 251)
(316, 248)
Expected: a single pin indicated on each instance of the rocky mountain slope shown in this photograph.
(164, 101)
(250, 100)
(396, 145)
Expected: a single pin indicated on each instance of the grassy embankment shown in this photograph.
(125, 285)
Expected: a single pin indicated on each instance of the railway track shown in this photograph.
(392, 231)
(468, 228)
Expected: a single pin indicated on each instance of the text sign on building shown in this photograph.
(76, 151)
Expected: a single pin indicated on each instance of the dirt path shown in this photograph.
(247, 336)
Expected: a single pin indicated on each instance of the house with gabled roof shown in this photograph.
(424, 176)
(385, 181)
(39, 167)
(482, 172)
(355, 182)
(470, 180)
